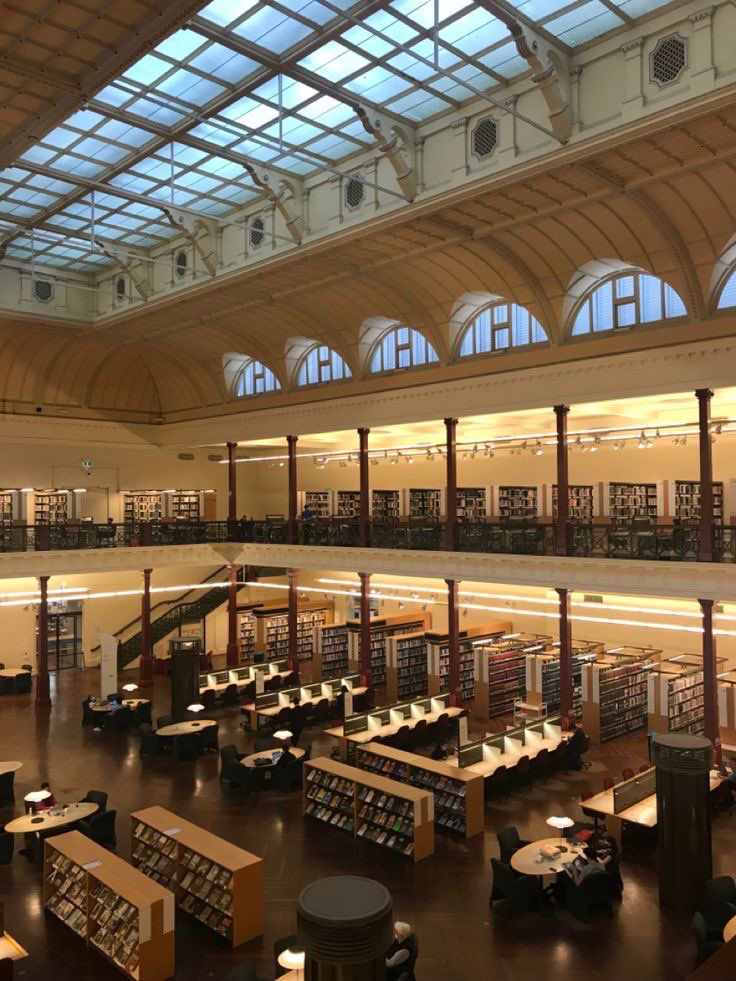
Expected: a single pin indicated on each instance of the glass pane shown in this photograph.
(650, 299)
(624, 287)
(673, 305)
(626, 315)
(500, 338)
(582, 321)
(728, 294)
(602, 307)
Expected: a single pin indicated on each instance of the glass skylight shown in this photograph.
(249, 83)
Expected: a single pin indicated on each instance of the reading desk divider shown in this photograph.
(236, 909)
(458, 796)
(219, 680)
(401, 713)
(393, 815)
(81, 876)
(506, 748)
(308, 695)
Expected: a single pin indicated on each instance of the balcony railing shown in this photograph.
(660, 542)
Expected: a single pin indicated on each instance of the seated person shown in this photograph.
(440, 751)
(402, 954)
(340, 701)
(575, 748)
(286, 756)
(47, 802)
(587, 864)
(297, 719)
(307, 513)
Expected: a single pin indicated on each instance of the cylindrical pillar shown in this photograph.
(233, 649)
(366, 672)
(232, 489)
(705, 544)
(145, 670)
(711, 720)
(566, 679)
(563, 482)
(365, 509)
(291, 530)
(293, 621)
(451, 481)
(453, 641)
(43, 686)
(683, 819)
(345, 926)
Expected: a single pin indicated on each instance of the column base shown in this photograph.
(43, 693)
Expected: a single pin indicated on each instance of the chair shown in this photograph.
(120, 720)
(237, 776)
(704, 945)
(209, 739)
(322, 711)
(7, 788)
(151, 744)
(115, 696)
(608, 783)
(7, 846)
(719, 904)
(243, 972)
(522, 771)
(287, 777)
(644, 767)
(614, 871)
(230, 695)
(23, 684)
(420, 732)
(540, 765)
(628, 773)
(509, 842)
(496, 784)
(596, 889)
(2, 665)
(143, 713)
(402, 739)
(89, 718)
(101, 828)
(98, 797)
(278, 948)
(164, 720)
(518, 893)
(186, 746)
(208, 698)
(229, 753)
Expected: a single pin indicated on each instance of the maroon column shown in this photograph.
(563, 482)
(566, 682)
(365, 510)
(292, 654)
(291, 535)
(43, 689)
(233, 651)
(145, 670)
(453, 645)
(705, 545)
(366, 673)
(711, 722)
(451, 504)
(232, 489)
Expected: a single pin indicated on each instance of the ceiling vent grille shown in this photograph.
(180, 264)
(484, 138)
(257, 233)
(43, 290)
(354, 193)
(668, 60)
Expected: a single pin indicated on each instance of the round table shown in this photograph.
(29, 823)
(525, 860)
(185, 728)
(131, 703)
(11, 766)
(12, 672)
(729, 931)
(250, 761)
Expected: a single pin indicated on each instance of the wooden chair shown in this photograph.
(628, 773)
(518, 893)
(608, 783)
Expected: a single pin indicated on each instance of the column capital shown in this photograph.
(561, 409)
(450, 421)
(292, 440)
(703, 394)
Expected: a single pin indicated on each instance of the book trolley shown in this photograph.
(366, 805)
(109, 904)
(218, 883)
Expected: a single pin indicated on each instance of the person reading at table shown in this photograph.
(440, 751)
(297, 719)
(286, 757)
(47, 802)
(589, 863)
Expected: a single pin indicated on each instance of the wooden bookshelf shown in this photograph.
(330, 657)
(438, 656)
(543, 674)
(347, 504)
(614, 693)
(247, 634)
(142, 506)
(186, 505)
(381, 629)
(501, 673)
(272, 628)
(51, 507)
(318, 502)
(684, 500)
(112, 906)
(517, 502)
(406, 666)
(458, 795)
(628, 501)
(218, 883)
(582, 502)
(473, 503)
(366, 805)
(425, 503)
(675, 695)
(386, 505)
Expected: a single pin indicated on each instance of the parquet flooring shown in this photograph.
(445, 897)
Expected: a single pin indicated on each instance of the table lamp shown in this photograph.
(130, 687)
(34, 797)
(560, 822)
(283, 734)
(292, 960)
(196, 707)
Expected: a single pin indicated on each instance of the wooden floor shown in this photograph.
(444, 897)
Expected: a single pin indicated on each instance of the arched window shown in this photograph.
(625, 301)
(728, 293)
(399, 348)
(255, 379)
(320, 364)
(499, 327)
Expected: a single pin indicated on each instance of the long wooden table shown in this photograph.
(242, 682)
(28, 823)
(389, 729)
(487, 768)
(253, 714)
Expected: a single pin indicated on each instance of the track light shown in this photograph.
(409, 459)
(374, 461)
(641, 445)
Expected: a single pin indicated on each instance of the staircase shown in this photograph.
(191, 607)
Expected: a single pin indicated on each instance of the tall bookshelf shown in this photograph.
(458, 794)
(391, 815)
(518, 502)
(686, 500)
(581, 502)
(614, 693)
(216, 882)
(628, 501)
(347, 504)
(381, 629)
(469, 643)
(406, 666)
(51, 507)
(7, 516)
(426, 503)
(472, 503)
(247, 633)
(386, 505)
(675, 696)
(319, 502)
(272, 629)
(115, 909)
(142, 507)
(186, 505)
(502, 673)
(330, 658)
